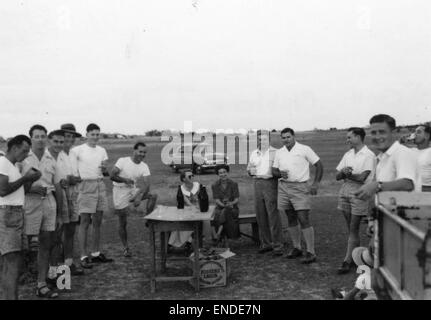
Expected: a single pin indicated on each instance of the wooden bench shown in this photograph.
(250, 219)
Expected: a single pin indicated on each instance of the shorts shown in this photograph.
(348, 202)
(11, 229)
(121, 196)
(69, 212)
(92, 196)
(293, 195)
(40, 214)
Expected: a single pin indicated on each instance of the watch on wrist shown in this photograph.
(379, 186)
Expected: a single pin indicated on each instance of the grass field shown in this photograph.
(253, 276)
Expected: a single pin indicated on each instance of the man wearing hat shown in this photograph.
(68, 178)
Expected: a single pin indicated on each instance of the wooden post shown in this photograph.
(153, 258)
(163, 251)
(255, 232)
(427, 266)
(196, 271)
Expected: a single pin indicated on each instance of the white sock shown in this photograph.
(309, 239)
(295, 235)
(52, 272)
(95, 254)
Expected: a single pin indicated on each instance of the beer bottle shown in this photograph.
(180, 198)
(203, 199)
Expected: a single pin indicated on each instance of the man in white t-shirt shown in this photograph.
(41, 211)
(422, 141)
(397, 168)
(12, 185)
(292, 168)
(90, 161)
(130, 177)
(265, 195)
(357, 167)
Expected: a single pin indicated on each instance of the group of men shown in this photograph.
(281, 183)
(47, 189)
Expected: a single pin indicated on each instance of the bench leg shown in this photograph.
(153, 259)
(255, 232)
(163, 251)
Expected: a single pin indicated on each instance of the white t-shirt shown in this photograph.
(363, 160)
(131, 170)
(87, 160)
(263, 162)
(424, 162)
(63, 167)
(17, 197)
(295, 162)
(398, 162)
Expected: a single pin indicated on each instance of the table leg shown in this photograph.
(163, 251)
(153, 259)
(196, 271)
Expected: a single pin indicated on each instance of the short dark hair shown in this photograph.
(36, 127)
(17, 141)
(358, 132)
(379, 118)
(287, 130)
(139, 144)
(183, 174)
(56, 133)
(221, 166)
(427, 129)
(92, 126)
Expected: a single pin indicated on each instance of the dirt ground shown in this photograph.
(253, 276)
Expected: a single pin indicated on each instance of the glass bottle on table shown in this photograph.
(180, 198)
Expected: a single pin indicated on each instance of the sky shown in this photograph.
(135, 65)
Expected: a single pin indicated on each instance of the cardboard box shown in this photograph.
(213, 267)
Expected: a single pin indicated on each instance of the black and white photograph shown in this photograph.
(225, 152)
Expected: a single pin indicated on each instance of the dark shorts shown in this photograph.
(11, 229)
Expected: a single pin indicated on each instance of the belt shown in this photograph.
(258, 178)
(93, 180)
(6, 206)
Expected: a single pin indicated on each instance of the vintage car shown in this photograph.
(402, 246)
(195, 156)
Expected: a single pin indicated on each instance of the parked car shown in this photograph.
(195, 157)
(402, 246)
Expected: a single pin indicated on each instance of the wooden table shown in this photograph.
(166, 219)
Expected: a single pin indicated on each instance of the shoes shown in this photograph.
(86, 263)
(265, 249)
(308, 258)
(345, 267)
(45, 292)
(127, 253)
(337, 294)
(294, 253)
(51, 283)
(75, 270)
(277, 253)
(101, 259)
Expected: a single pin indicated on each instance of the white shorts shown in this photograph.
(122, 196)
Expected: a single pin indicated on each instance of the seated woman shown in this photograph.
(226, 195)
(190, 190)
